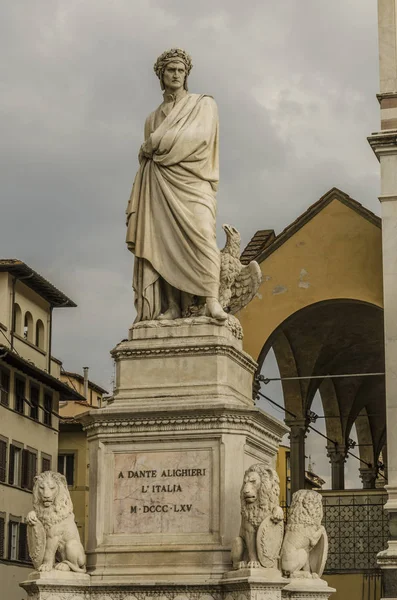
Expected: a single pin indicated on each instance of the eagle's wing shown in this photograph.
(245, 286)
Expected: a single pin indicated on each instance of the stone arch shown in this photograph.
(39, 337)
(28, 326)
(17, 324)
(332, 337)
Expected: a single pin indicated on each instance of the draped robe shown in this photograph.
(171, 212)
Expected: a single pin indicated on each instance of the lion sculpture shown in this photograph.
(305, 547)
(262, 520)
(53, 538)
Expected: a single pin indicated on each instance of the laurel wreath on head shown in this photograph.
(169, 56)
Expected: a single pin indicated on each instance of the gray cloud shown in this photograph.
(295, 84)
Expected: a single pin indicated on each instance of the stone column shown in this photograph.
(384, 145)
(297, 453)
(337, 458)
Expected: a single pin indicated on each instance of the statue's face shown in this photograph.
(174, 76)
(48, 490)
(252, 483)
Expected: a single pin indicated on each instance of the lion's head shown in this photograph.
(259, 493)
(306, 509)
(51, 498)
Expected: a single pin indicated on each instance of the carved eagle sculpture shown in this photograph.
(238, 283)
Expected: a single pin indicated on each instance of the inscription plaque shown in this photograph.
(162, 492)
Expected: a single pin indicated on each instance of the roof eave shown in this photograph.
(31, 370)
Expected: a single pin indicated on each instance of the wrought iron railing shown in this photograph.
(357, 528)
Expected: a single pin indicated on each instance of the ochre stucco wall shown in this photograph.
(336, 255)
(75, 442)
(355, 586)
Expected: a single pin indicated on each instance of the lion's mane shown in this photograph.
(62, 506)
(268, 498)
(306, 509)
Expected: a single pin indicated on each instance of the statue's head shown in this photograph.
(259, 493)
(173, 68)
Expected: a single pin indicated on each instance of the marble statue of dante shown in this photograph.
(172, 209)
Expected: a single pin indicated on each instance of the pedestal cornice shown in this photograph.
(111, 421)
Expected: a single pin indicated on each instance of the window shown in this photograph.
(13, 528)
(4, 386)
(40, 334)
(2, 534)
(34, 402)
(47, 409)
(66, 467)
(17, 540)
(19, 395)
(23, 551)
(14, 471)
(3, 460)
(28, 327)
(45, 464)
(17, 324)
(29, 469)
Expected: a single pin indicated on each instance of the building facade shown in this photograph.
(30, 392)
(320, 310)
(73, 460)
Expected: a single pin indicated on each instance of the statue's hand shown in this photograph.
(146, 150)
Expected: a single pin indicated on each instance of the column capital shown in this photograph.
(368, 477)
(337, 453)
(298, 426)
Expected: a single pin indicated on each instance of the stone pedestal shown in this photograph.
(168, 456)
(253, 584)
(307, 589)
(57, 585)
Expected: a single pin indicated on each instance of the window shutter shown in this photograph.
(33, 469)
(45, 464)
(3, 460)
(9, 538)
(5, 387)
(2, 532)
(23, 553)
(11, 474)
(70, 469)
(25, 469)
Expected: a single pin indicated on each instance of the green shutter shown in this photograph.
(3, 460)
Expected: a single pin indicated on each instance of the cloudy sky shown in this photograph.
(295, 82)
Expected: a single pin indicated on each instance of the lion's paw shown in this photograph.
(242, 565)
(62, 566)
(301, 575)
(254, 564)
(31, 519)
(278, 514)
(45, 567)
